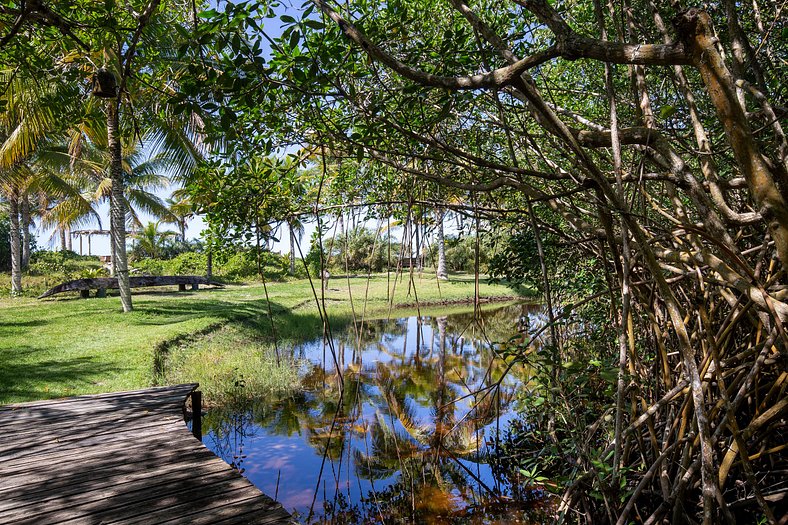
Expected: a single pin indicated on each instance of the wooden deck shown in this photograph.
(118, 458)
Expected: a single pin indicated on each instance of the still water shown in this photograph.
(393, 423)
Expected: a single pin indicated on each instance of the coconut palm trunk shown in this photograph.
(439, 240)
(292, 250)
(418, 239)
(24, 210)
(63, 244)
(16, 243)
(117, 204)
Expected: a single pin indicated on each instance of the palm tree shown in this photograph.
(83, 167)
(150, 241)
(27, 116)
(440, 241)
(181, 210)
(149, 45)
(11, 193)
(296, 228)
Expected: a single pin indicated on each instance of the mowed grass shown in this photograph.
(71, 346)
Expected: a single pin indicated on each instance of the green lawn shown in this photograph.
(70, 346)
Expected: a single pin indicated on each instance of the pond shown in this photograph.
(407, 436)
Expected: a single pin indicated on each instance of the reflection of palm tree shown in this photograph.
(443, 441)
(401, 420)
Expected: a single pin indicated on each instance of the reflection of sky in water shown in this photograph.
(409, 355)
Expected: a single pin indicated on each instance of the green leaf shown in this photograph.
(295, 37)
(667, 111)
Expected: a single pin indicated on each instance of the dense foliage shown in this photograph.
(663, 200)
(634, 151)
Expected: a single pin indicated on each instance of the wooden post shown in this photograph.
(84, 294)
(101, 292)
(195, 286)
(181, 287)
(197, 414)
(89, 251)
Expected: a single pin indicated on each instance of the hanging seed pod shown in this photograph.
(104, 84)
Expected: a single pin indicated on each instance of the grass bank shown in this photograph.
(72, 346)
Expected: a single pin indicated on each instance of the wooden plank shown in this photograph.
(81, 405)
(65, 506)
(75, 427)
(29, 483)
(51, 410)
(102, 418)
(141, 508)
(149, 393)
(259, 511)
(33, 463)
(147, 427)
(82, 428)
(121, 457)
(103, 414)
(187, 505)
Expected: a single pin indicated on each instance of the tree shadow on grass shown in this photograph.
(11, 328)
(21, 380)
(251, 315)
(168, 313)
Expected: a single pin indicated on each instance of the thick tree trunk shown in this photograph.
(694, 27)
(24, 210)
(67, 233)
(117, 204)
(209, 265)
(16, 243)
(439, 240)
(63, 245)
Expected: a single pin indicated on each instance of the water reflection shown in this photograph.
(406, 436)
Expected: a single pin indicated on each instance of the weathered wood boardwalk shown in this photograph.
(118, 458)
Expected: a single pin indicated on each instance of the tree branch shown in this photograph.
(496, 79)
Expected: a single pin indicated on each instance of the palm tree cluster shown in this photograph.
(87, 124)
(57, 178)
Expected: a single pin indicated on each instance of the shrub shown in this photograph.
(149, 267)
(461, 254)
(65, 263)
(241, 265)
(61, 256)
(92, 273)
(188, 263)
